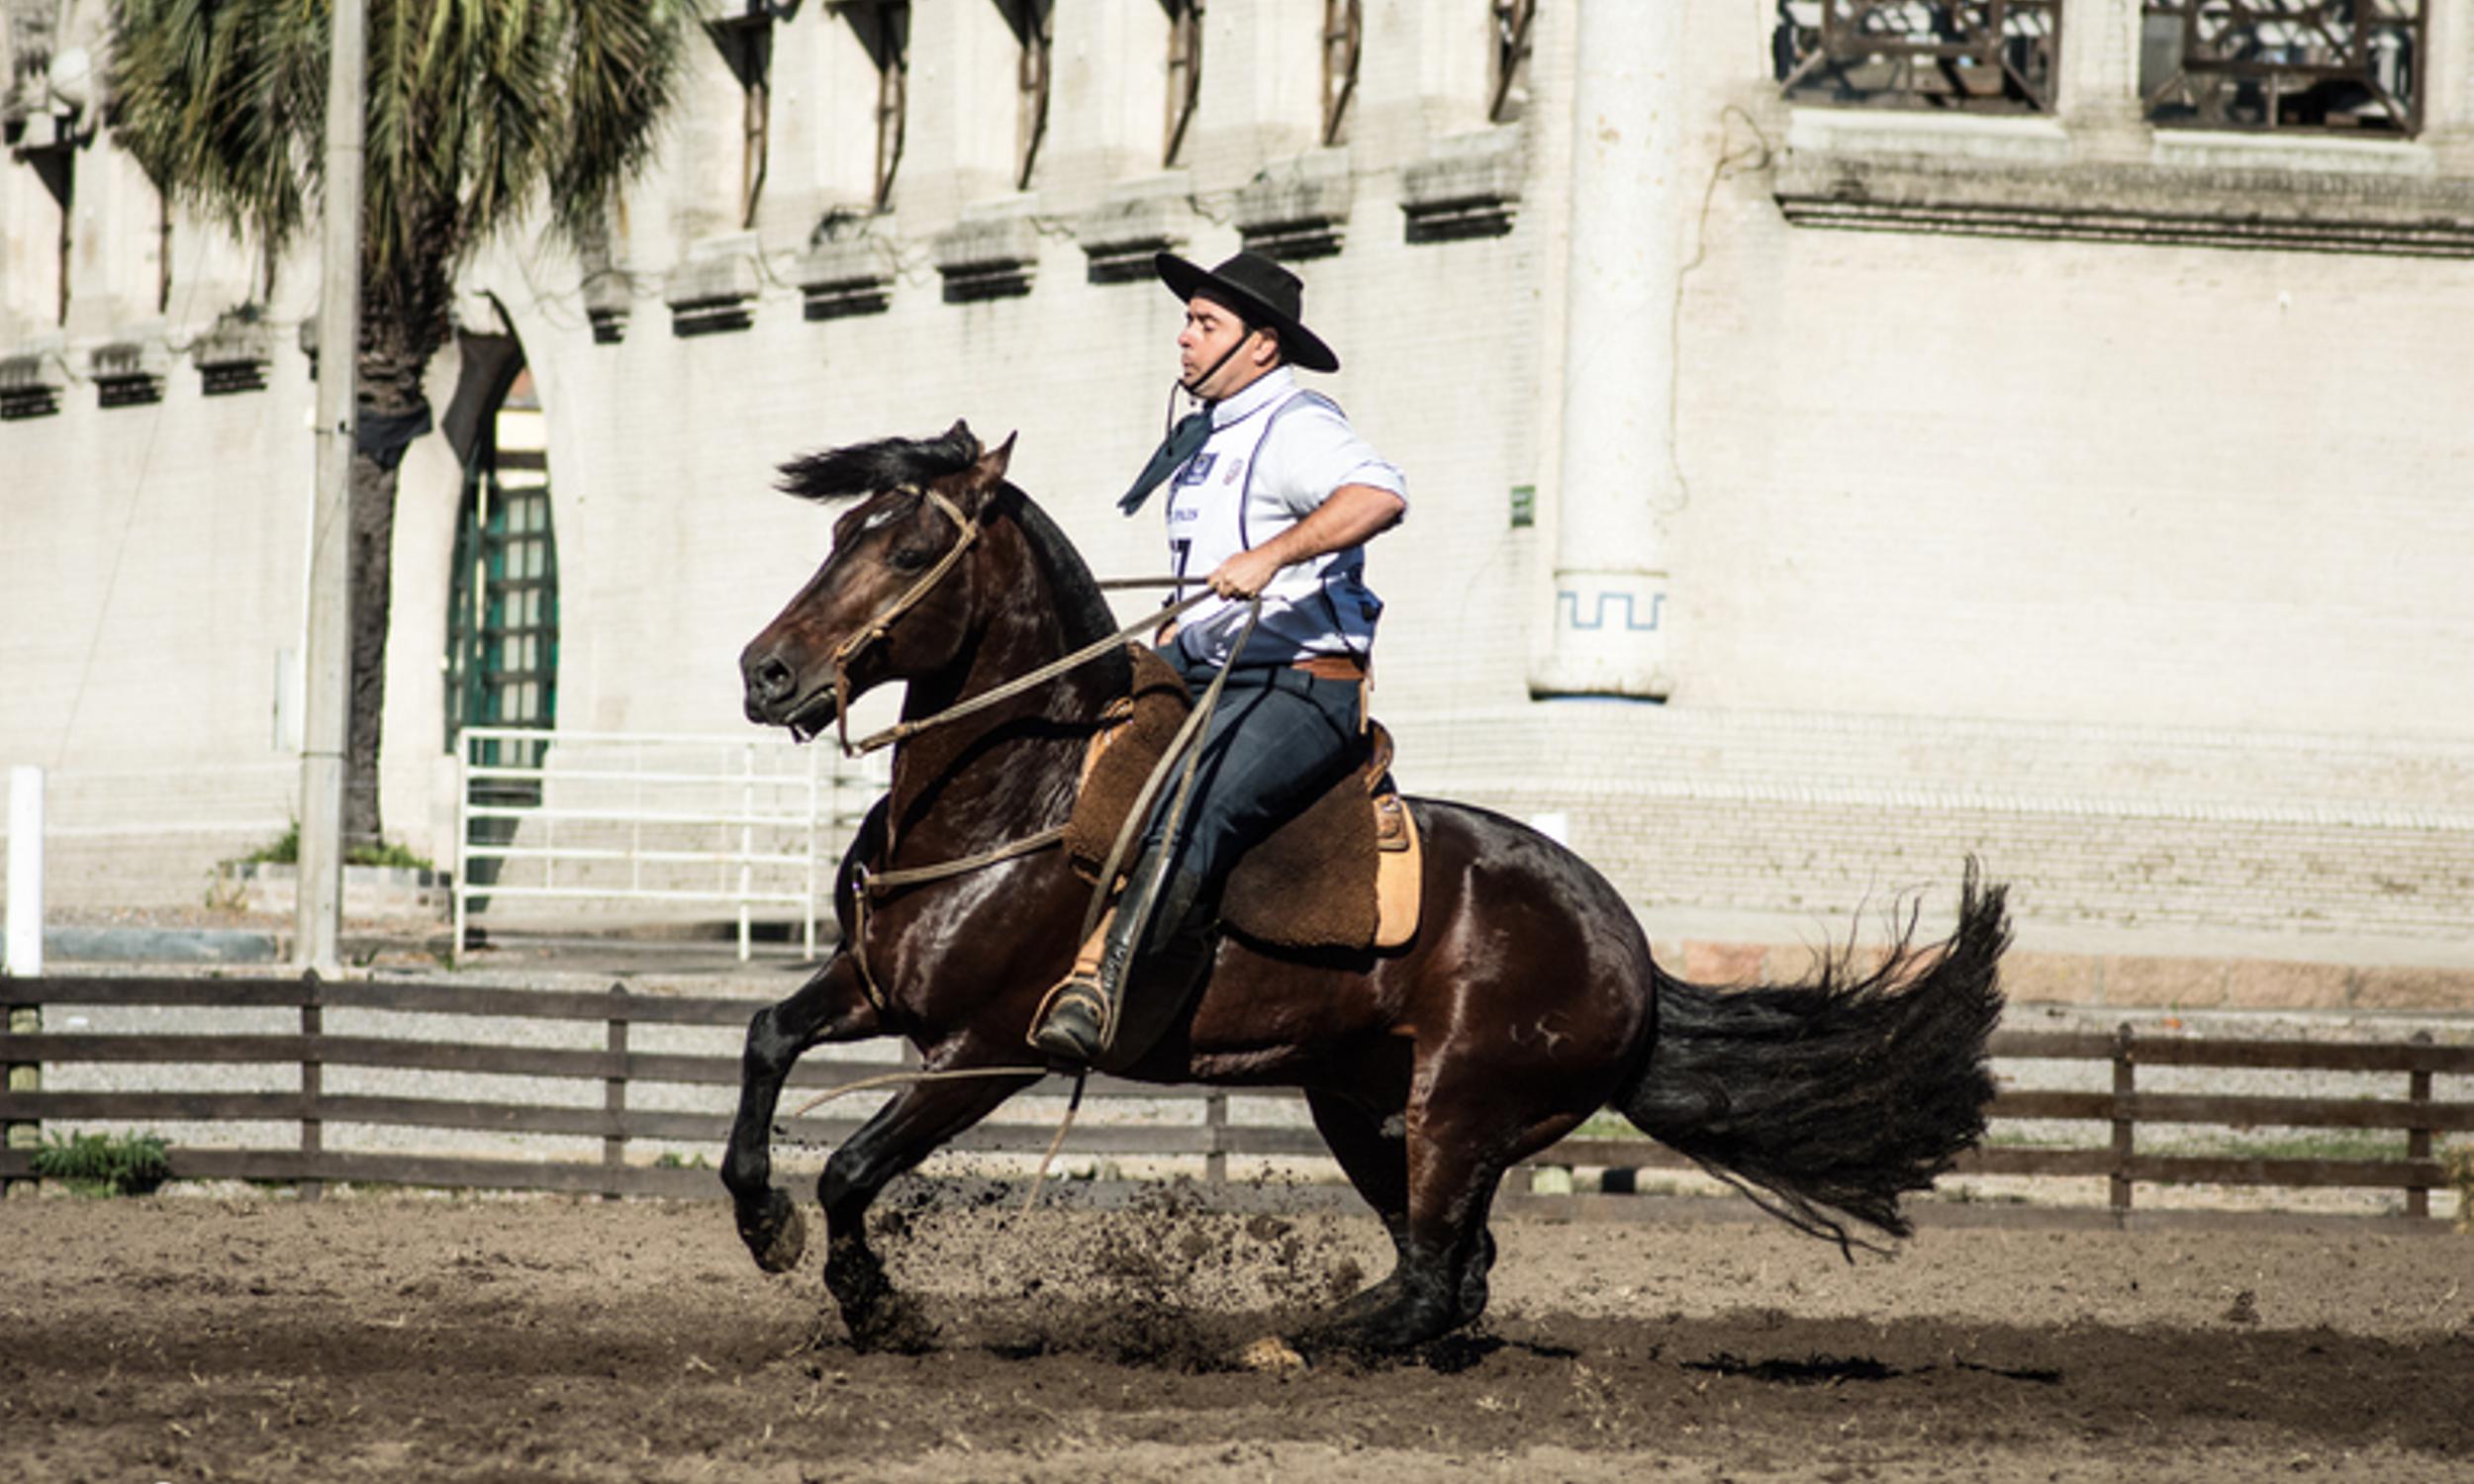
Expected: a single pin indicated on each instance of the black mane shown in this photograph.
(887, 463)
(1075, 592)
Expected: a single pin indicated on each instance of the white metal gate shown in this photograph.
(620, 817)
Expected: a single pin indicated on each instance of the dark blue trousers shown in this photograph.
(1278, 738)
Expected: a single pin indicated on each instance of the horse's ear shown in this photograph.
(988, 469)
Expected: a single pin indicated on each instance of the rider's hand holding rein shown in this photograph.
(1349, 517)
(1219, 356)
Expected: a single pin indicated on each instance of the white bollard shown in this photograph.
(25, 951)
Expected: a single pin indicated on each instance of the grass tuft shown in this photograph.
(285, 850)
(106, 1164)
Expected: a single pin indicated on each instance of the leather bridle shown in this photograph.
(882, 625)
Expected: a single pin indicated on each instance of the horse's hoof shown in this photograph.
(891, 1326)
(778, 1236)
(1271, 1354)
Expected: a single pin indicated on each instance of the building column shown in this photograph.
(1629, 197)
(2100, 99)
(2448, 85)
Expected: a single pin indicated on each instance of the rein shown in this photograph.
(904, 731)
(1185, 747)
(883, 624)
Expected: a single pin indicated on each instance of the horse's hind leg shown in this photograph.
(906, 1130)
(830, 1006)
(1372, 1151)
(1463, 1135)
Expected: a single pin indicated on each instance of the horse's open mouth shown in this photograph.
(812, 717)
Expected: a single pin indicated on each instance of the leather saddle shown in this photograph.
(1346, 873)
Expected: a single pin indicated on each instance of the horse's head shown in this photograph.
(891, 601)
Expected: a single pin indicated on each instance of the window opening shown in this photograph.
(1034, 25)
(55, 165)
(1185, 73)
(1507, 91)
(1971, 56)
(1343, 29)
(2332, 65)
(884, 28)
(746, 46)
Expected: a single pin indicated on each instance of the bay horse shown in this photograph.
(1527, 1000)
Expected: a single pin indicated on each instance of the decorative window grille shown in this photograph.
(1975, 55)
(501, 650)
(1034, 25)
(884, 28)
(1507, 87)
(2323, 64)
(1185, 73)
(1344, 34)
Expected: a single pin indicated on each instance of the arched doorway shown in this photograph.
(501, 648)
(502, 626)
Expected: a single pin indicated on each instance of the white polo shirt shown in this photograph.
(1276, 453)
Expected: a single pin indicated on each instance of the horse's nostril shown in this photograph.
(770, 679)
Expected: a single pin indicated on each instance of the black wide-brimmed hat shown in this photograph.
(1267, 295)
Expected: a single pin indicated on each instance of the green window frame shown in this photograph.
(502, 646)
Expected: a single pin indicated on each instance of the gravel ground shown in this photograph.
(460, 1339)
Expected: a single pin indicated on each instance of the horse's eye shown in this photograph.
(908, 558)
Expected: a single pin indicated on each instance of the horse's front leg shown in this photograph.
(906, 1130)
(832, 1006)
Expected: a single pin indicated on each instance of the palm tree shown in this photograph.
(480, 117)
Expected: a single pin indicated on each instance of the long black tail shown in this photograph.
(1841, 1093)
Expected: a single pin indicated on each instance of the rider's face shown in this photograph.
(1211, 328)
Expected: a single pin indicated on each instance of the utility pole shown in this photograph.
(319, 924)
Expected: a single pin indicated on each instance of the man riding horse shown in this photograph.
(1523, 999)
(1271, 495)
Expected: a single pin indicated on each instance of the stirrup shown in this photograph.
(1074, 1017)
(1073, 1024)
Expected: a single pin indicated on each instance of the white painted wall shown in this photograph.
(2135, 568)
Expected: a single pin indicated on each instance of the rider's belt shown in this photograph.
(1331, 667)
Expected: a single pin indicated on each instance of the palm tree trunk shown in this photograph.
(373, 536)
(393, 412)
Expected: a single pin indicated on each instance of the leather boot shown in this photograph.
(1158, 937)
(1074, 1021)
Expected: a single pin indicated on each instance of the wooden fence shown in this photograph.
(1216, 1137)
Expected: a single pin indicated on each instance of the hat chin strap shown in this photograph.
(1194, 388)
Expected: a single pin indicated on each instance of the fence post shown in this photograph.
(25, 942)
(24, 1020)
(2124, 1127)
(614, 1096)
(1215, 1118)
(807, 916)
(24, 949)
(312, 1087)
(2419, 1139)
(747, 840)
(460, 891)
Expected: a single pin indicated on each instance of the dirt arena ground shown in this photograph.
(389, 1338)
